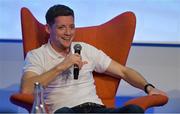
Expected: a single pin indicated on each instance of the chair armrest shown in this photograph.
(148, 101)
(22, 100)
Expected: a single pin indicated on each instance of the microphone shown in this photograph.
(77, 49)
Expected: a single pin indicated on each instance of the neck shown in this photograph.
(61, 50)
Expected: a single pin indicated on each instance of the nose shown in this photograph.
(68, 31)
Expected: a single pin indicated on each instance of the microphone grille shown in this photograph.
(77, 47)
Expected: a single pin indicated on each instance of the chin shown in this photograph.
(67, 45)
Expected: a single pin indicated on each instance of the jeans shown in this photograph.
(96, 108)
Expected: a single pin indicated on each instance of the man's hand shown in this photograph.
(72, 59)
(153, 91)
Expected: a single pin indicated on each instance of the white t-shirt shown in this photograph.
(64, 91)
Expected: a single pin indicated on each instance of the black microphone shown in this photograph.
(77, 49)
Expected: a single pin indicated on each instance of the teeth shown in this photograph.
(66, 38)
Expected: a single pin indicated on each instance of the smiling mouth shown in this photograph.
(66, 39)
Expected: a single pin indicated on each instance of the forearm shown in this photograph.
(128, 74)
(134, 78)
(29, 78)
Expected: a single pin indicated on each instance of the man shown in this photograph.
(52, 66)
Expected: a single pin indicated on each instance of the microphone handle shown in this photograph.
(76, 72)
(78, 51)
(76, 68)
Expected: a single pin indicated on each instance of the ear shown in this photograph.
(47, 28)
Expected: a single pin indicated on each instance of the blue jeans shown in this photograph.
(96, 108)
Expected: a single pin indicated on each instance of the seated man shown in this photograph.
(52, 66)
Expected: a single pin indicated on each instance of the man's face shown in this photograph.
(62, 32)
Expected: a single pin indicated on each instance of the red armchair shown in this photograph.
(113, 37)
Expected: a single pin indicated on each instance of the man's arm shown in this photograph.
(131, 76)
(29, 77)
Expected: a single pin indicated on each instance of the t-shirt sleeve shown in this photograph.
(33, 63)
(101, 61)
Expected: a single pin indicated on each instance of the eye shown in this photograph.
(61, 27)
(72, 27)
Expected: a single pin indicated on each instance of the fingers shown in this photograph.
(85, 62)
(76, 59)
(80, 65)
(79, 61)
(157, 91)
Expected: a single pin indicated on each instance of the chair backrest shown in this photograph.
(113, 37)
